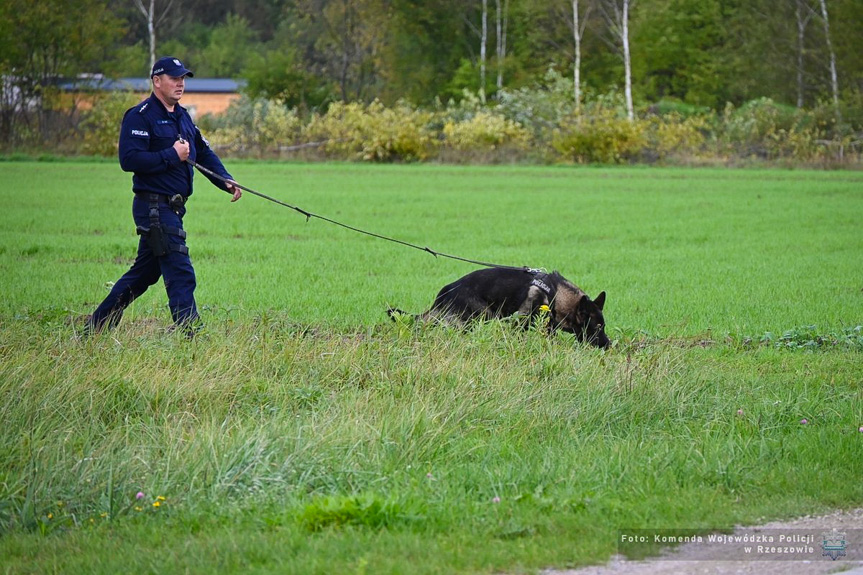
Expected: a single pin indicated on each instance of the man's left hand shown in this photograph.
(232, 188)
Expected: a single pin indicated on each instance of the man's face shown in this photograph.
(169, 88)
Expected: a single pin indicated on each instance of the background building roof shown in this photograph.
(193, 85)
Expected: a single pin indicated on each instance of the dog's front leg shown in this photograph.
(533, 305)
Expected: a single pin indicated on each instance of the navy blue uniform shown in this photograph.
(147, 137)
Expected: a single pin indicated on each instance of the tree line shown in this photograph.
(308, 54)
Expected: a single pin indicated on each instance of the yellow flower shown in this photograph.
(157, 503)
(138, 508)
(103, 515)
(160, 498)
(543, 307)
(50, 516)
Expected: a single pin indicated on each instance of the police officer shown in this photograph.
(156, 138)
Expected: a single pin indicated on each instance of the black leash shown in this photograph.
(310, 215)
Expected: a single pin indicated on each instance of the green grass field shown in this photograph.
(303, 432)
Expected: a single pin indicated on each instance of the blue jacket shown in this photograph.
(147, 137)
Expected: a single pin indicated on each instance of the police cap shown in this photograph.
(170, 66)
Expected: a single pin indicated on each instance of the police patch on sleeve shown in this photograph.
(206, 143)
(140, 133)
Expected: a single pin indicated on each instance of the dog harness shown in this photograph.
(543, 282)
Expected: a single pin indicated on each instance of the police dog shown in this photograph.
(502, 292)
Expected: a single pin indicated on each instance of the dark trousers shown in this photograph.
(175, 267)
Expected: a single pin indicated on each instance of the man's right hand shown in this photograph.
(182, 148)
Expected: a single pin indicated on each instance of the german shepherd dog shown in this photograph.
(501, 292)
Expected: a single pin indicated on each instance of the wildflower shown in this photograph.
(140, 495)
(50, 516)
(739, 412)
(160, 498)
(138, 508)
(804, 421)
(104, 515)
(544, 307)
(430, 476)
(861, 429)
(157, 503)
(495, 499)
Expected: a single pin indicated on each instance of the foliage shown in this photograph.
(529, 125)
(369, 510)
(603, 134)
(687, 57)
(231, 46)
(484, 130)
(768, 130)
(539, 108)
(100, 124)
(278, 75)
(306, 54)
(811, 338)
(373, 132)
(678, 109)
(670, 135)
(702, 52)
(252, 127)
(41, 42)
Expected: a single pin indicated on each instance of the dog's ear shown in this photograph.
(600, 300)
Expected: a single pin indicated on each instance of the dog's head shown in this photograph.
(577, 314)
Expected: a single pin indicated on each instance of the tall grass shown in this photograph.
(303, 432)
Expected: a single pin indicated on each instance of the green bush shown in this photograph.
(101, 123)
(602, 136)
(764, 129)
(373, 133)
(541, 108)
(538, 124)
(485, 131)
(253, 127)
(678, 109)
(674, 136)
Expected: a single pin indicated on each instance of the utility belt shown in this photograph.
(176, 201)
(157, 234)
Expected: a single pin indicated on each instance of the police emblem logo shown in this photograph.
(542, 285)
(206, 142)
(833, 543)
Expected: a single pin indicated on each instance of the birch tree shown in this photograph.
(578, 25)
(153, 21)
(616, 14)
(502, 13)
(803, 15)
(834, 80)
(482, 49)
